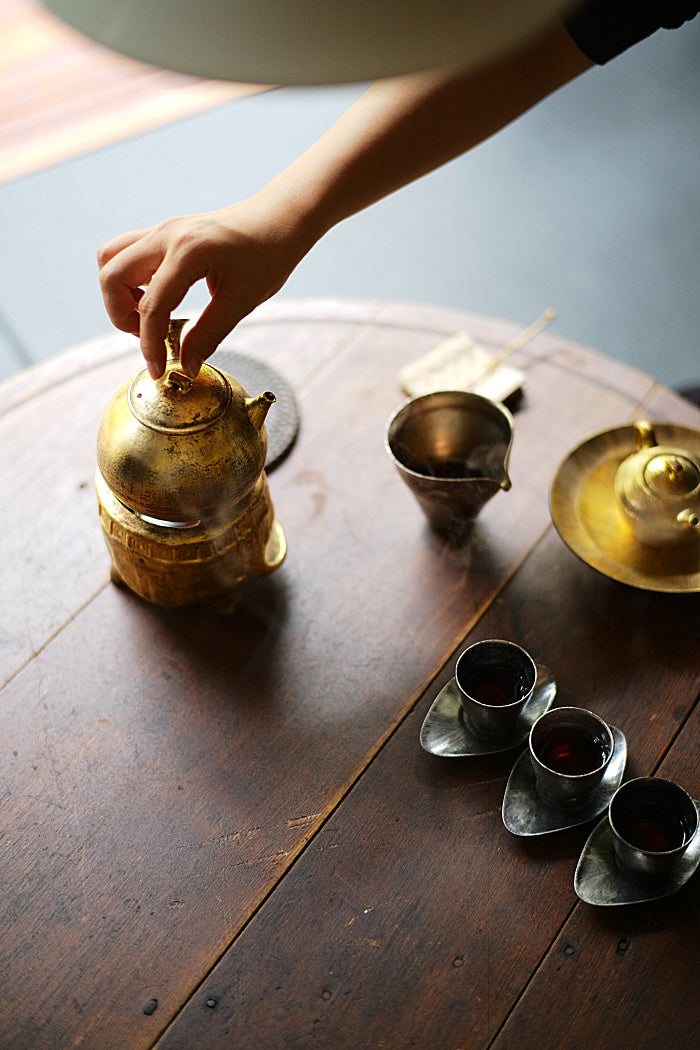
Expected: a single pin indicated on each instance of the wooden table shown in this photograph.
(223, 832)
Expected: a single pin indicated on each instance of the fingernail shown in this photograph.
(153, 370)
(193, 367)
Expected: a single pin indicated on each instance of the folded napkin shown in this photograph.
(460, 363)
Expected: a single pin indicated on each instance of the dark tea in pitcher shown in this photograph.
(445, 468)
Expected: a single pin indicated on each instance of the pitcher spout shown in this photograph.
(505, 482)
(503, 477)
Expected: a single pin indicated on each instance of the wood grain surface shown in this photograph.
(223, 831)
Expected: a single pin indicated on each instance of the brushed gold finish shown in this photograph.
(183, 497)
(658, 488)
(179, 449)
(207, 563)
(589, 517)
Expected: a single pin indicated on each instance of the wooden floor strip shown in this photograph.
(62, 95)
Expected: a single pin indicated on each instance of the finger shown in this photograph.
(122, 278)
(130, 321)
(121, 303)
(112, 247)
(167, 289)
(214, 324)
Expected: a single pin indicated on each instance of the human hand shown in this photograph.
(244, 253)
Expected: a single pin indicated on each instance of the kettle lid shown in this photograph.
(176, 403)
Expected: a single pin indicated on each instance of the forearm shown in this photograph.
(396, 132)
(404, 128)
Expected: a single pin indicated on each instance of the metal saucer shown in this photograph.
(447, 733)
(586, 514)
(526, 813)
(598, 880)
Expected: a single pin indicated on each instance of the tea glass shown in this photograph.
(570, 749)
(652, 821)
(496, 679)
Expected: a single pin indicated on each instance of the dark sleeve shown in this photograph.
(603, 29)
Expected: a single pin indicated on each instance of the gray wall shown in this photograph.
(590, 204)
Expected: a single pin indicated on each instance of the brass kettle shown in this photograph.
(658, 490)
(183, 496)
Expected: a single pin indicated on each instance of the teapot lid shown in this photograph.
(671, 474)
(176, 403)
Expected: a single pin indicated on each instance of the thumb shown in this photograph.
(214, 324)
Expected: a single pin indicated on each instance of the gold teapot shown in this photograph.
(183, 497)
(658, 490)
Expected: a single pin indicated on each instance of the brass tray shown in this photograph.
(587, 516)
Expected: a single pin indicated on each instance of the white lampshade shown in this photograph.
(307, 41)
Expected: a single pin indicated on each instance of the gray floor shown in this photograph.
(590, 204)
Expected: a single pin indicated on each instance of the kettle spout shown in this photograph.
(505, 481)
(258, 407)
(688, 518)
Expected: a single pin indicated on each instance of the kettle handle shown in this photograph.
(644, 435)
